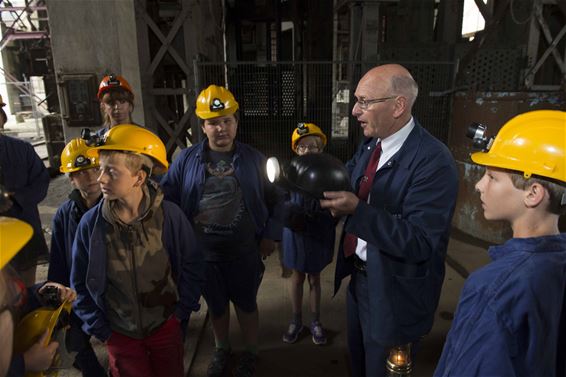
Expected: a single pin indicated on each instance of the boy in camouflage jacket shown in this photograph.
(137, 268)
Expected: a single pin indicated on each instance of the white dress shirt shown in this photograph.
(389, 146)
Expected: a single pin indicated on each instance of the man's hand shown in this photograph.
(63, 293)
(40, 356)
(266, 247)
(340, 203)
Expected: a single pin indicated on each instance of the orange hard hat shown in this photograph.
(113, 81)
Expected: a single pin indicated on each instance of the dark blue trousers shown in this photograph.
(85, 360)
(367, 356)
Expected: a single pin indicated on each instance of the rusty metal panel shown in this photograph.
(468, 216)
(493, 109)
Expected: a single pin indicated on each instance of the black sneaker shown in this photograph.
(246, 365)
(218, 362)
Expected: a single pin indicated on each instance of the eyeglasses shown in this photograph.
(307, 147)
(364, 103)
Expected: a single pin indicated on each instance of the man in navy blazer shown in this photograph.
(400, 227)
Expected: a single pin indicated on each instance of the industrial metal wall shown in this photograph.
(275, 96)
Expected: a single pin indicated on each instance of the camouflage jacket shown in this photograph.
(90, 275)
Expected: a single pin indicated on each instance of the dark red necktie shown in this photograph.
(350, 240)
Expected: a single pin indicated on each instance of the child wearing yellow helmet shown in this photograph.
(82, 171)
(136, 266)
(512, 312)
(308, 241)
(27, 348)
(222, 187)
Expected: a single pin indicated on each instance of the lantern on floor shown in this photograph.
(399, 362)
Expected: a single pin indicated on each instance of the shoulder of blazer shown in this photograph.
(420, 144)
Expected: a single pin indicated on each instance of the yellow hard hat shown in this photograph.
(30, 329)
(14, 234)
(132, 138)
(531, 143)
(306, 129)
(74, 157)
(215, 101)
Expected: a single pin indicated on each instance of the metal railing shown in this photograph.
(27, 108)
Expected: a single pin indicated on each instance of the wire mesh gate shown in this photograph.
(275, 96)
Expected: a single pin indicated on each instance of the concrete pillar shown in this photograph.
(98, 37)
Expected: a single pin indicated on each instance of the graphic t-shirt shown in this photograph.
(223, 223)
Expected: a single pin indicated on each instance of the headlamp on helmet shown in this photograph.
(302, 129)
(113, 80)
(476, 132)
(92, 139)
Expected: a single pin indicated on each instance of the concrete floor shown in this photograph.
(302, 359)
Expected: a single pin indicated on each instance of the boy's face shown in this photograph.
(86, 181)
(308, 144)
(221, 132)
(500, 199)
(116, 180)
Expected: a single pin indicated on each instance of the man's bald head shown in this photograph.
(397, 78)
(390, 92)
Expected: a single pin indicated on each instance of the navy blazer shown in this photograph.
(406, 225)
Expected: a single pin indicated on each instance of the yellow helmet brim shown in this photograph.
(14, 234)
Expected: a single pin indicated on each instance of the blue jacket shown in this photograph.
(184, 183)
(88, 272)
(512, 314)
(24, 175)
(63, 229)
(406, 225)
